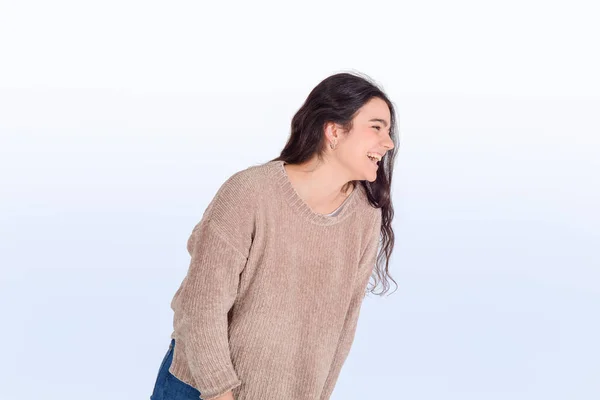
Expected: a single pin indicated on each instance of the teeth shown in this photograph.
(374, 155)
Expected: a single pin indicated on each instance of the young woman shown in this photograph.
(281, 258)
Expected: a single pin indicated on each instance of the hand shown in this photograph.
(225, 396)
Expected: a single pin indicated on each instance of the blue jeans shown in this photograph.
(167, 386)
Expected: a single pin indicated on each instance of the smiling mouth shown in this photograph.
(374, 161)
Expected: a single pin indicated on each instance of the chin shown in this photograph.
(373, 179)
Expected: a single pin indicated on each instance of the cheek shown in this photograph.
(362, 142)
(358, 145)
(358, 152)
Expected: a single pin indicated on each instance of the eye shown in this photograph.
(376, 127)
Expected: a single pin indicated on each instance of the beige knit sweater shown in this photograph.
(271, 299)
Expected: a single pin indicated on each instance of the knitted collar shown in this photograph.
(299, 206)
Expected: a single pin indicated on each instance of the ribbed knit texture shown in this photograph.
(271, 299)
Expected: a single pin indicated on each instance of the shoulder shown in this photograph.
(233, 210)
(245, 182)
(367, 212)
(241, 190)
(367, 222)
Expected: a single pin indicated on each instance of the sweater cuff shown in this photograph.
(219, 385)
(212, 386)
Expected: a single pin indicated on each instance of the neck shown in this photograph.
(320, 184)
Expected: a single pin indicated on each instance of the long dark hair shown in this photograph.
(337, 99)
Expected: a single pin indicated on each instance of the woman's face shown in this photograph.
(370, 134)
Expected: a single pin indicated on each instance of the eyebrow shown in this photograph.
(383, 121)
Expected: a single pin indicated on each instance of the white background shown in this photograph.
(120, 119)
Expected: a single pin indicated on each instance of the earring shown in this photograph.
(332, 144)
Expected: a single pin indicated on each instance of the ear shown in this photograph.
(332, 131)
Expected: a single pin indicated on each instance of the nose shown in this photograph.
(389, 144)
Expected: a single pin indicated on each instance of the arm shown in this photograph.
(366, 266)
(218, 246)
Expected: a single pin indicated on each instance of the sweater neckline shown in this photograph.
(297, 203)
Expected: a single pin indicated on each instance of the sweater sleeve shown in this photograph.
(219, 246)
(346, 339)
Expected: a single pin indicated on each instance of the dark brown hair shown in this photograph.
(337, 99)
